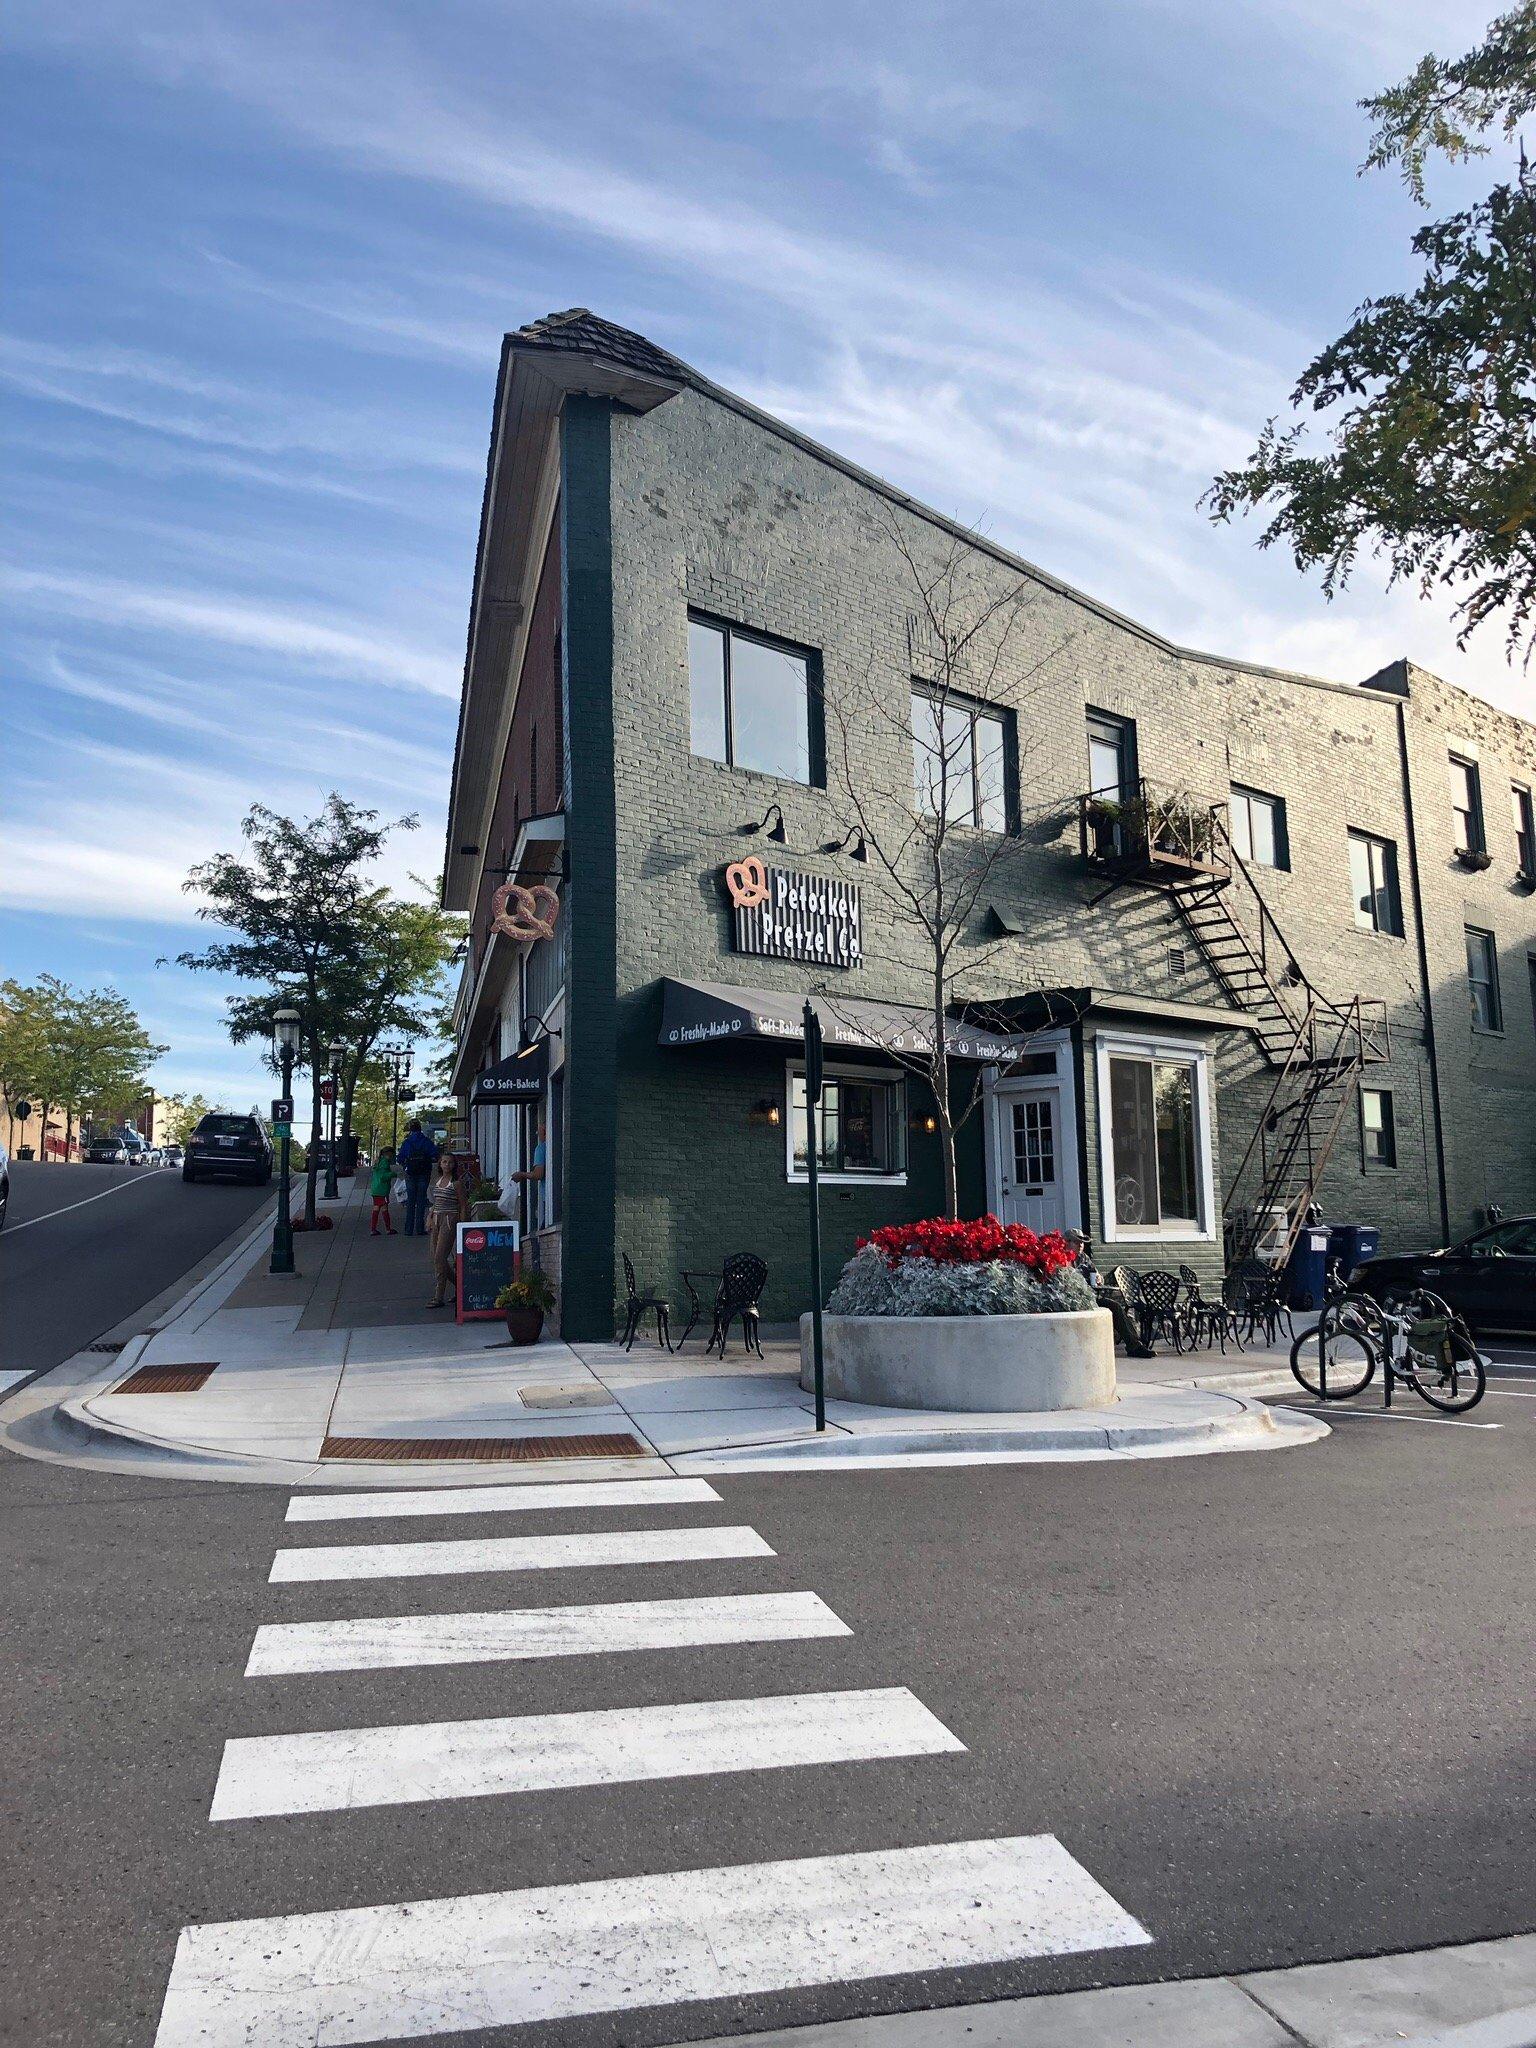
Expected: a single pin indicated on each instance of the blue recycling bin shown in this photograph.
(1306, 1270)
(1352, 1244)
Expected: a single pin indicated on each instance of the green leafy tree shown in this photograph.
(23, 1042)
(296, 904)
(102, 1055)
(1430, 394)
(184, 1113)
(70, 1049)
(310, 929)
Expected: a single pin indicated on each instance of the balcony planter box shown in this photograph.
(1473, 857)
(972, 1364)
(1525, 878)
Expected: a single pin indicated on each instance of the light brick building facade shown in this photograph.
(645, 534)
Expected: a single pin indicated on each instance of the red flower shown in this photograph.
(979, 1241)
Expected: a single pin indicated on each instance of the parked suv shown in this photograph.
(108, 1151)
(224, 1143)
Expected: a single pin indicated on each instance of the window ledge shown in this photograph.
(826, 1178)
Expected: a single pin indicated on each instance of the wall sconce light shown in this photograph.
(928, 1123)
(766, 1111)
(851, 843)
(775, 830)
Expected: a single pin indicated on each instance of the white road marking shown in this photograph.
(486, 1500)
(515, 1554)
(13, 1379)
(1396, 1415)
(142, 1180)
(441, 1966)
(403, 1766)
(395, 1642)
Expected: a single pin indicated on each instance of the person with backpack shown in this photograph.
(418, 1156)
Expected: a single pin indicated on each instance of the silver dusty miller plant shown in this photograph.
(870, 1286)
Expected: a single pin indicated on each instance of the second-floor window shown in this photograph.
(960, 760)
(1483, 980)
(1258, 827)
(1378, 1129)
(754, 702)
(1525, 828)
(1466, 806)
(1373, 879)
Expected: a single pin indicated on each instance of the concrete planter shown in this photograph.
(967, 1363)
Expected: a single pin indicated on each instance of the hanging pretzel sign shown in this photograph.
(525, 913)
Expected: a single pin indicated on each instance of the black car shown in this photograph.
(106, 1152)
(1490, 1277)
(226, 1144)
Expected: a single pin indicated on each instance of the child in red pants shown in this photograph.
(378, 1186)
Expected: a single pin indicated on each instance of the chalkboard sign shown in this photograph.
(486, 1261)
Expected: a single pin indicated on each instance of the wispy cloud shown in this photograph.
(315, 643)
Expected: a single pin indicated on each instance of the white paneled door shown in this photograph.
(1033, 1154)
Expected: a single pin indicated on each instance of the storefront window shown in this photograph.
(863, 1121)
(1154, 1143)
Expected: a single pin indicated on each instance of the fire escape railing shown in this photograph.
(1171, 840)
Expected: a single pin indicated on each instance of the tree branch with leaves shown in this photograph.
(1430, 394)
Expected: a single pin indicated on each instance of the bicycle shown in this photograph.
(1415, 1337)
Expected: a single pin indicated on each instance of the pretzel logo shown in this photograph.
(747, 881)
(525, 913)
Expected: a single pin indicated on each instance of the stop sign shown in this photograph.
(327, 1091)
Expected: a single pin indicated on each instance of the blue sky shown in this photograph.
(1047, 267)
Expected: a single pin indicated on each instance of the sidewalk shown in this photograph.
(340, 1371)
(1482, 1995)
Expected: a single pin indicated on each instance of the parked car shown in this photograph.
(5, 1182)
(107, 1152)
(1490, 1277)
(227, 1144)
(171, 1155)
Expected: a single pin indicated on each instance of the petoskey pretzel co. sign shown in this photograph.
(788, 916)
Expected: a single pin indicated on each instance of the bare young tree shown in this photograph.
(930, 772)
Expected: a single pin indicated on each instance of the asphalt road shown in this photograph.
(1278, 1706)
(84, 1246)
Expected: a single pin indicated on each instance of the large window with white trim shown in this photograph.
(1153, 1108)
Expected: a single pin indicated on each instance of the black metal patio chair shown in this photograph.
(1261, 1292)
(1208, 1321)
(742, 1280)
(639, 1305)
(1161, 1311)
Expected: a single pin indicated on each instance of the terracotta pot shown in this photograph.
(524, 1324)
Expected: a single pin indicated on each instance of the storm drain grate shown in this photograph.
(520, 1449)
(109, 1344)
(167, 1379)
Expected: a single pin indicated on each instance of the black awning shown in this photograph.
(518, 1078)
(1039, 1009)
(709, 1013)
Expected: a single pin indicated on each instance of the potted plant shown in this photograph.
(525, 1302)
(485, 1203)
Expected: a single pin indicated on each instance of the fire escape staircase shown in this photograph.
(1315, 1048)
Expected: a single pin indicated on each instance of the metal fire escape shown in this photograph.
(1314, 1047)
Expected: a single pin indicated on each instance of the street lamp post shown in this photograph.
(285, 1040)
(399, 1057)
(336, 1053)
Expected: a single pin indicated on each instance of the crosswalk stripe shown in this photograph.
(402, 1766)
(396, 1641)
(489, 1500)
(515, 1554)
(439, 1966)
